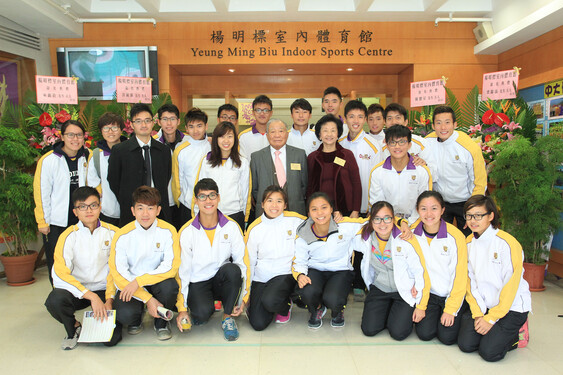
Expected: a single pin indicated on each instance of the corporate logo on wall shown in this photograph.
(325, 43)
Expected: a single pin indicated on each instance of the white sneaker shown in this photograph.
(70, 343)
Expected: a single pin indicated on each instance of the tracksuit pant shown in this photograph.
(329, 288)
(268, 299)
(430, 326)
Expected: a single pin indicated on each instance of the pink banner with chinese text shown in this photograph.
(428, 93)
(56, 90)
(500, 85)
(134, 90)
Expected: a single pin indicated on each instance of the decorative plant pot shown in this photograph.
(534, 275)
(19, 269)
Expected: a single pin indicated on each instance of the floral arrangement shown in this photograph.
(420, 123)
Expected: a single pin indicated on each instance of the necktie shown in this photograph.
(148, 171)
(280, 171)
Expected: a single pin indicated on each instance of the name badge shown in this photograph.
(295, 166)
(339, 161)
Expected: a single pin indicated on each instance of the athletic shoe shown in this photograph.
(163, 333)
(70, 343)
(230, 329)
(218, 306)
(359, 295)
(523, 335)
(316, 319)
(282, 319)
(135, 330)
(338, 320)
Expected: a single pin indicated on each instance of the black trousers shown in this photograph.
(52, 238)
(430, 326)
(131, 313)
(269, 298)
(455, 210)
(501, 338)
(62, 305)
(225, 286)
(109, 220)
(358, 282)
(329, 288)
(185, 215)
(239, 218)
(176, 217)
(386, 310)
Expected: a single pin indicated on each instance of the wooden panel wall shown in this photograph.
(540, 59)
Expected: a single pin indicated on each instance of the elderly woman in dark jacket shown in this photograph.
(333, 169)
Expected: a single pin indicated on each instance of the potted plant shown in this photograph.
(17, 220)
(530, 205)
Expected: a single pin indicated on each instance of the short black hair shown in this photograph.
(146, 195)
(319, 194)
(110, 118)
(72, 122)
(355, 104)
(138, 108)
(396, 107)
(196, 114)
(430, 194)
(480, 200)
(301, 103)
(326, 119)
(332, 90)
(397, 132)
(262, 99)
(374, 108)
(274, 189)
(83, 193)
(206, 184)
(168, 107)
(443, 109)
(227, 107)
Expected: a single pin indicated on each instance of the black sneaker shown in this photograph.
(338, 320)
(316, 319)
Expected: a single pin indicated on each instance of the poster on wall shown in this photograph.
(555, 108)
(500, 85)
(428, 93)
(56, 90)
(245, 114)
(133, 90)
(9, 81)
(538, 106)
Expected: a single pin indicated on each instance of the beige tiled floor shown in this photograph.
(31, 338)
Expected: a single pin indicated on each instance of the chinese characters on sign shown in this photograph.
(552, 89)
(56, 90)
(500, 85)
(133, 90)
(428, 93)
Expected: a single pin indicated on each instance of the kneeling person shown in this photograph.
(80, 272)
(143, 263)
(208, 242)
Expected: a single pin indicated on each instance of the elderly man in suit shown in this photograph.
(282, 165)
(141, 160)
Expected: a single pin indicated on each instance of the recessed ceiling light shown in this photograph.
(231, 70)
(290, 69)
(349, 69)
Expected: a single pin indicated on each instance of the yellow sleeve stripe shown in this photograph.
(371, 145)
(429, 177)
(39, 211)
(347, 219)
(509, 290)
(244, 131)
(426, 290)
(60, 266)
(418, 143)
(203, 160)
(459, 288)
(294, 214)
(479, 170)
(250, 227)
(431, 135)
(293, 271)
(249, 198)
(176, 190)
(369, 182)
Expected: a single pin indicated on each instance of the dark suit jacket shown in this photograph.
(125, 174)
(264, 174)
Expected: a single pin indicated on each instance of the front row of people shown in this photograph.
(470, 291)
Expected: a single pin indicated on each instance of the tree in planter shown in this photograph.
(17, 219)
(525, 176)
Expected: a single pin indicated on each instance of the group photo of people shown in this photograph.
(277, 218)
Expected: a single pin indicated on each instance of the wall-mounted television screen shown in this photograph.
(97, 67)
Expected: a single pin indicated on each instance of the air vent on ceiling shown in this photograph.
(21, 38)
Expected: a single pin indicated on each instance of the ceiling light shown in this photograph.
(349, 69)
(231, 70)
(290, 69)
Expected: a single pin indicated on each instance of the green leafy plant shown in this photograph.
(17, 219)
(525, 176)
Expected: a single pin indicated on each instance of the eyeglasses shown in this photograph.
(140, 121)
(400, 142)
(107, 129)
(74, 135)
(85, 207)
(262, 110)
(386, 220)
(477, 217)
(229, 118)
(203, 197)
(169, 119)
